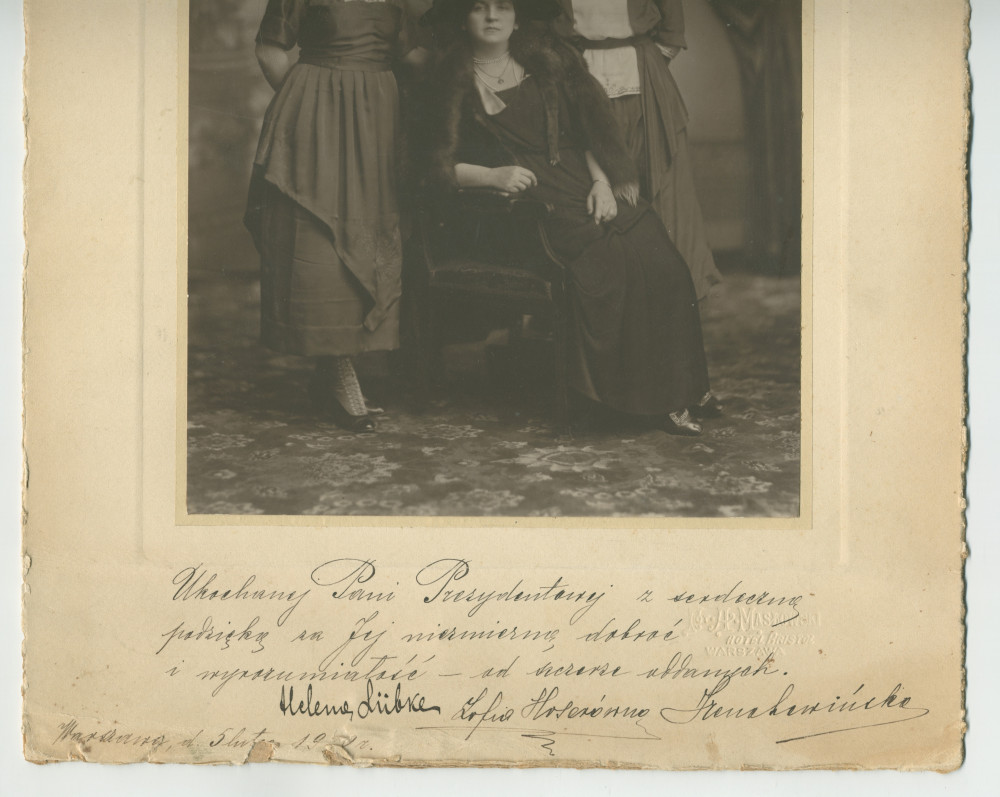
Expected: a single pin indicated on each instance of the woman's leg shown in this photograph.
(336, 391)
(312, 306)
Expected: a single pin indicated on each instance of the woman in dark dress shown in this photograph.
(516, 111)
(323, 200)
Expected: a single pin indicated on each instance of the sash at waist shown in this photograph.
(608, 44)
(347, 63)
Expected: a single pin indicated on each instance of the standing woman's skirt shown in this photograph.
(675, 201)
(311, 304)
(323, 211)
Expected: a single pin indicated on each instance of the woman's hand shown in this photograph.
(513, 179)
(601, 202)
(669, 52)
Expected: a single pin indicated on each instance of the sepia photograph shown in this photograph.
(531, 258)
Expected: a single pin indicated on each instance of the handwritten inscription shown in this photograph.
(550, 659)
(784, 707)
(374, 702)
(349, 576)
(224, 637)
(193, 584)
(744, 598)
(444, 573)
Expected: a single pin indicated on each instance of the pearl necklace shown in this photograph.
(498, 78)
(496, 60)
(495, 82)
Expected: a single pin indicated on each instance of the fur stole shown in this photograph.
(454, 118)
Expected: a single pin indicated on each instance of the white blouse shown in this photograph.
(617, 70)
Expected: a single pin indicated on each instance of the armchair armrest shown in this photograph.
(486, 200)
(484, 225)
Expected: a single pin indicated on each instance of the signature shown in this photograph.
(877, 706)
(490, 711)
(375, 702)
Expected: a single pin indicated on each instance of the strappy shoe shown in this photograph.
(707, 407)
(681, 424)
(327, 405)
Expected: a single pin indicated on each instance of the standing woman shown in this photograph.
(628, 46)
(323, 204)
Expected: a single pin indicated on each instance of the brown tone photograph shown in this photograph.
(513, 259)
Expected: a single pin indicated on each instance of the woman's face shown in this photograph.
(491, 22)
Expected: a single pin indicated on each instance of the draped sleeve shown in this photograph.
(669, 31)
(280, 25)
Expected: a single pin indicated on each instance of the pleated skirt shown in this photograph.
(324, 212)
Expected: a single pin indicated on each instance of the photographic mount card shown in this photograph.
(829, 640)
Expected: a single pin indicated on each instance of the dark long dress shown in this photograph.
(323, 200)
(637, 342)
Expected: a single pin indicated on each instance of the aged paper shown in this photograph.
(830, 640)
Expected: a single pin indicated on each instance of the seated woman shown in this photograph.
(515, 110)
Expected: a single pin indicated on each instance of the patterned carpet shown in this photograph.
(484, 446)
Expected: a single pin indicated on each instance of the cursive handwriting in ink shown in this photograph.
(708, 708)
(349, 573)
(72, 732)
(571, 670)
(633, 633)
(193, 584)
(545, 706)
(362, 633)
(310, 707)
(506, 633)
(375, 702)
(477, 710)
(445, 572)
(239, 739)
(223, 678)
(210, 633)
(395, 703)
(763, 598)
(680, 666)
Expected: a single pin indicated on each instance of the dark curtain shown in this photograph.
(767, 38)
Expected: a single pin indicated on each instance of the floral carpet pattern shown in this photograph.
(484, 446)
